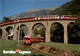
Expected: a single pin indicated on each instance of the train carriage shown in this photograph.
(44, 17)
(30, 40)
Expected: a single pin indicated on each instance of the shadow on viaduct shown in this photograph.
(30, 25)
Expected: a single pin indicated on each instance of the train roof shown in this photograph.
(28, 36)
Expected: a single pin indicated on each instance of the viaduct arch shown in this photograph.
(38, 27)
(57, 34)
(23, 30)
(30, 24)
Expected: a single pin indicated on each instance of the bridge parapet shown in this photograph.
(43, 17)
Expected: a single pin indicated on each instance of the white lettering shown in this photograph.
(9, 52)
(24, 52)
(13, 52)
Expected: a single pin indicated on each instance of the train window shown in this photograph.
(27, 38)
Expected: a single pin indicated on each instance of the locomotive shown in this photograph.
(30, 40)
(44, 17)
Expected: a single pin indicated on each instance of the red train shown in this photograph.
(50, 17)
(68, 17)
(29, 40)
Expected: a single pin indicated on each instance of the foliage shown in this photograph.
(6, 18)
(42, 32)
(22, 33)
(74, 32)
(73, 8)
(70, 8)
(23, 30)
(56, 33)
(35, 32)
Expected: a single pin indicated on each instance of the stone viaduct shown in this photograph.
(30, 24)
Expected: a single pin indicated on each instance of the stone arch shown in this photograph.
(57, 32)
(10, 32)
(73, 33)
(23, 31)
(0, 33)
(40, 29)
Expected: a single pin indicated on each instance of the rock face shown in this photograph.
(32, 12)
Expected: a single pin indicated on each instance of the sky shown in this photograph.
(12, 7)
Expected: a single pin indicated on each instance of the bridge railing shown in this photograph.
(75, 16)
(58, 16)
(48, 16)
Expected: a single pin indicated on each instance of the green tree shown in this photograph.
(74, 32)
(35, 32)
(42, 32)
(73, 8)
(56, 33)
(6, 18)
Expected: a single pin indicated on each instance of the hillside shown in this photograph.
(33, 12)
(73, 8)
(70, 8)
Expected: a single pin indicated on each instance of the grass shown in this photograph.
(12, 45)
(72, 47)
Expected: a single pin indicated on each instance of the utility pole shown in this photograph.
(21, 34)
(18, 33)
(14, 33)
(48, 16)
